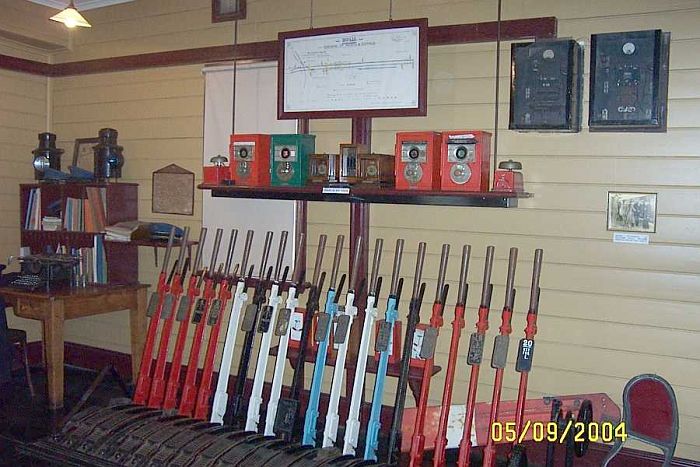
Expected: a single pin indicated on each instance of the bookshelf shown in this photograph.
(121, 203)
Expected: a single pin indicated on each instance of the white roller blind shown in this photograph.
(256, 112)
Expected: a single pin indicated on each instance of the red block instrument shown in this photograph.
(417, 156)
(457, 326)
(155, 399)
(474, 357)
(500, 354)
(155, 304)
(216, 310)
(184, 310)
(189, 390)
(427, 352)
(465, 158)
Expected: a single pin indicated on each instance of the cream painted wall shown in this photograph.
(608, 311)
(23, 111)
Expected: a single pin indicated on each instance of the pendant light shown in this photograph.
(71, 17)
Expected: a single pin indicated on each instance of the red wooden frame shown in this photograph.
(420, 110)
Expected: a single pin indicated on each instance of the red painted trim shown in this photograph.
(257, 51)
(529, 28)
(26, 66)
(269, 51)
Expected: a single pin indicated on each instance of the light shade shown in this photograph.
(71, 17)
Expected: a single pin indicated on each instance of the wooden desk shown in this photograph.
(53, 308)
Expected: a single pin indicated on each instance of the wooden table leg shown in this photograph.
(52, 326)
(137, 319)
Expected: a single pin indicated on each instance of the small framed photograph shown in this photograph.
(83, 155)
(632, 212)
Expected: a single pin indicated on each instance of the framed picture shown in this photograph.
(83, 155)
(227, 10)
(632, 212)
(360, 70)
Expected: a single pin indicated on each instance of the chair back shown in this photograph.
(651, 411)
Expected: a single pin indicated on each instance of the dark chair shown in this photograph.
(18, 337)
(650, 414)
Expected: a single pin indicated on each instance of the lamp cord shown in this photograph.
(235, 66)
(498, 69)
(311, 14)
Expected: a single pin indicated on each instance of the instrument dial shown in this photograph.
(460, 173)
(413, 173)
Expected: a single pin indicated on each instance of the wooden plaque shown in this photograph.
(173, 191)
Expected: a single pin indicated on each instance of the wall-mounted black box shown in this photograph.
(629, 81)
(545, 87)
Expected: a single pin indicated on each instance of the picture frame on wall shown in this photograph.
(83, 155)
(631, 211)
(227, 10)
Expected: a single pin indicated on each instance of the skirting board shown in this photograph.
(93, 358)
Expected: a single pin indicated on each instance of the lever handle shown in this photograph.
(280, 253)
(444, 257)
(463, 273)
(352, 283)
(535, 288)
(420, 259)
(266, 253)
(336, 259)
(231, 247)
(215, 250)
(396, 269)
(510, 281)
(200, 248)
(319, 258)
(246, 250)
(168, 249)
(379, 243)
(183, 250)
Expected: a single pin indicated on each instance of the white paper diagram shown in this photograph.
(361, 70)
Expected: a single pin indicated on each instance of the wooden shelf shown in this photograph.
(121, 205)
(375, 195)
(153, 243)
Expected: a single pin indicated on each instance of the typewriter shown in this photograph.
(45, 272)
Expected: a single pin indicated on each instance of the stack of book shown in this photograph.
(122, 231)
(51, 223)
(93, 262)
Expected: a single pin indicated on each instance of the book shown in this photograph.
(122, 231)
(96, 206)
(30, 209)
(32, 218)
